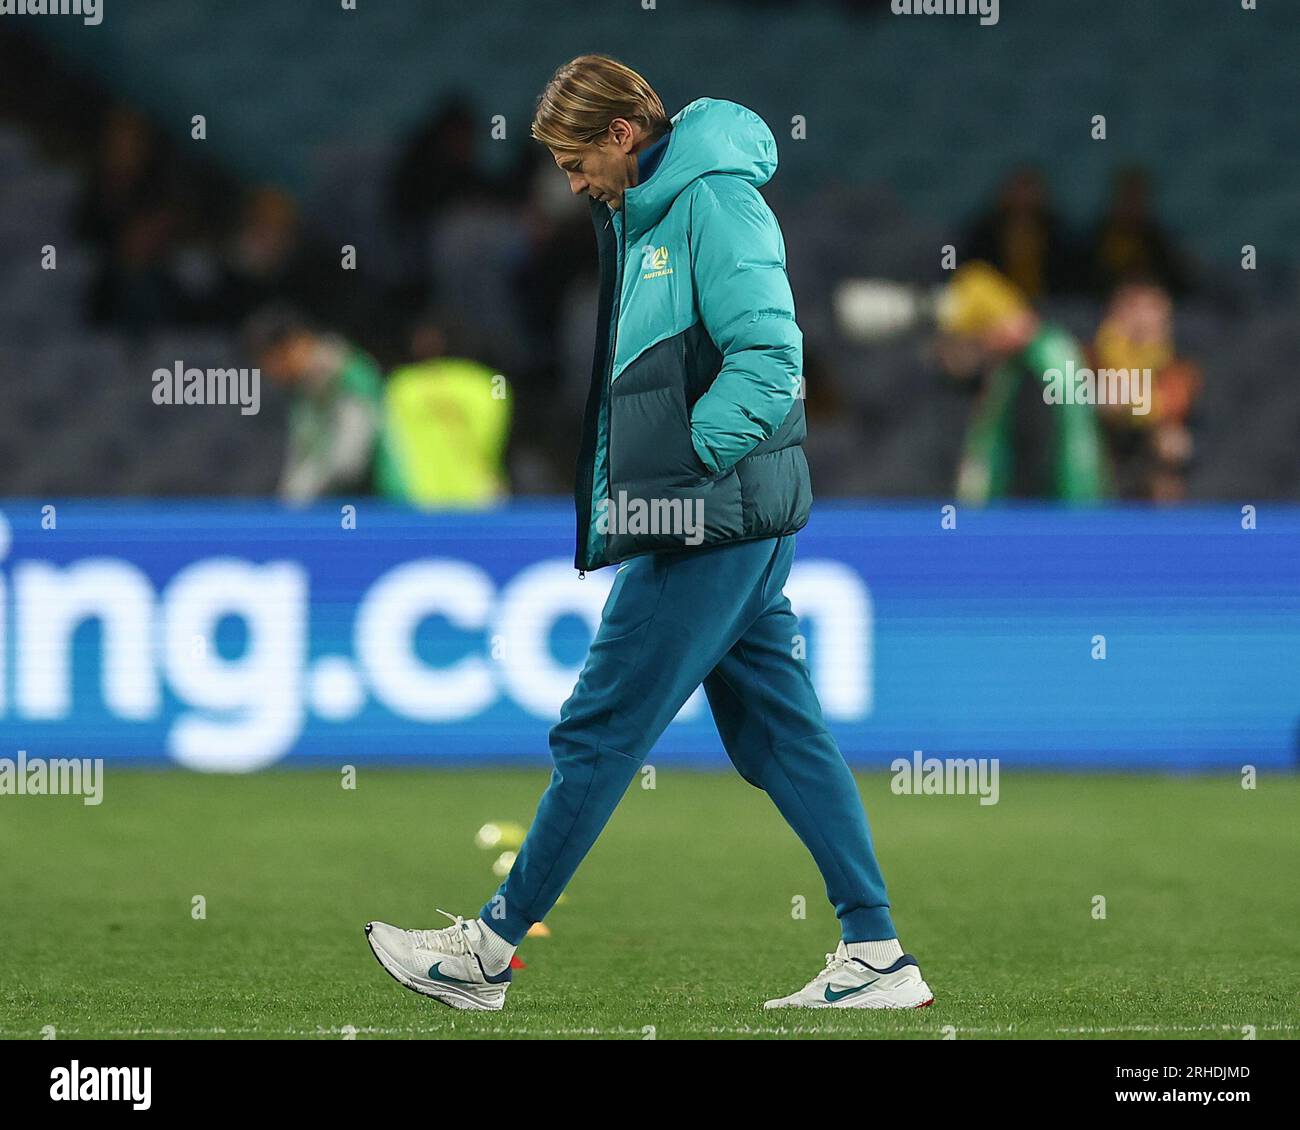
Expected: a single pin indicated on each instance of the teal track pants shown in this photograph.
(673, 621)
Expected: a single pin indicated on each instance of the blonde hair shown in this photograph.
(586, 94)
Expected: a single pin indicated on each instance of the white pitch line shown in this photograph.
(743, 1030)
(1182, 1028)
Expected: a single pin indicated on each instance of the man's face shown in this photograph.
(605, 169)
(288, 361)
(1144, 312)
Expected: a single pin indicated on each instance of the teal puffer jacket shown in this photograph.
(695, 416)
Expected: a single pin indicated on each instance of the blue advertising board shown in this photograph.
(235, 636)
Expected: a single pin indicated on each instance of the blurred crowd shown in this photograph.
(1053, 418)
(405, 383)
(1023, 236)
(178, 246)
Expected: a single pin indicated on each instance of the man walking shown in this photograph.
(694, 411)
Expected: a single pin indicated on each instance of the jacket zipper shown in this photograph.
(590, 424)
(609, 370)
(608, 390)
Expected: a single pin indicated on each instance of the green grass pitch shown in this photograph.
(679, 924)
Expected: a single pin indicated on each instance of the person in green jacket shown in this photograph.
(1019, 444)
(337, 444)
(692, 474)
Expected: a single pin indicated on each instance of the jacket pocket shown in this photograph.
(650, 439)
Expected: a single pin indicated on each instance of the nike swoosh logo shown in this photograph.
(502, 978)
(436, 975)
(833, 995)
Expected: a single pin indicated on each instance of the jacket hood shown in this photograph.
(708, 136)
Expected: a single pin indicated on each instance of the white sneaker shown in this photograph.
(849, 982)
(442, 964)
